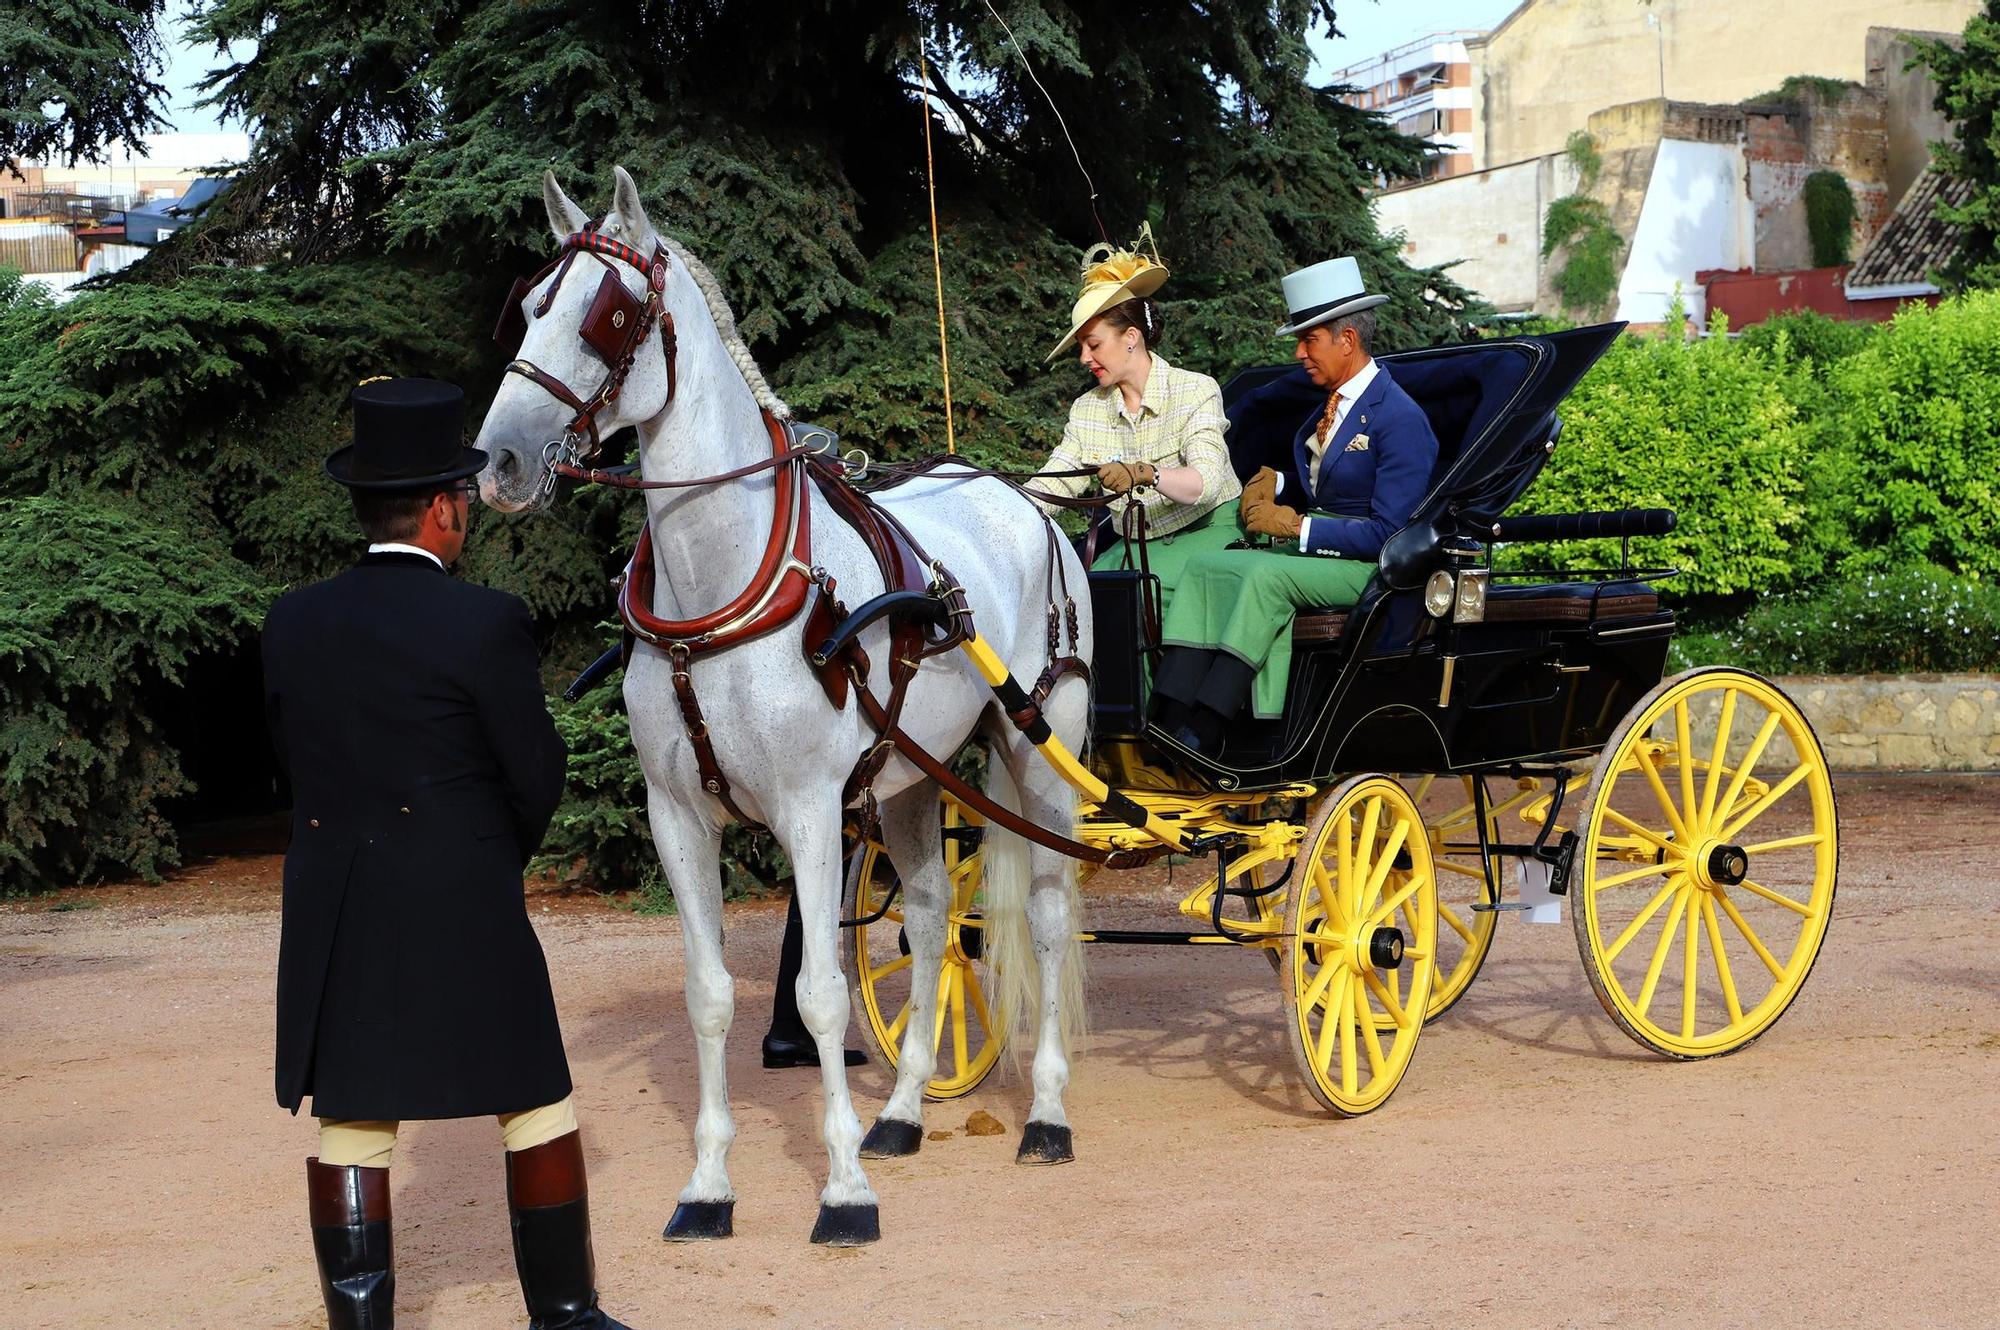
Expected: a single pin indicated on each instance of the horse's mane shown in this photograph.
(725, 327)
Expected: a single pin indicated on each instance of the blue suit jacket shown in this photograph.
(1377, 466)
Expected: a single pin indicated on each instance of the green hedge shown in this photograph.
(1707, 428)
(1918, 619)
(1911, 442)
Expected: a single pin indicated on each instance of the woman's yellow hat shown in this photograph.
(1111, 277)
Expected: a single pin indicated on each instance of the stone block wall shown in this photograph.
(1903, 722)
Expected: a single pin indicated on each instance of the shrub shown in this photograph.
(1808, 339)
(1705, 428)
(1581, 227)
(1911, 620)
(1913, 442)
(1829, 217)
(101, 604)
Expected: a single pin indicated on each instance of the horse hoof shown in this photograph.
(891, 1139)
(1045, 1143)
(701, 1221)
(847, 1225)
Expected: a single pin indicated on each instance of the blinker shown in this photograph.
(613, 319)
(512, 326)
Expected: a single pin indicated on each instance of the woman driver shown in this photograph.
(1153, 432)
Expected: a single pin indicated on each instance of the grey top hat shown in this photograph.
(1324, 292)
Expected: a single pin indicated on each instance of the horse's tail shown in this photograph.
(1010, 948)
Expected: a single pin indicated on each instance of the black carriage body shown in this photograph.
(1542, 675)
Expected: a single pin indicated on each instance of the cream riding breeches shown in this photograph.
(346, 1144)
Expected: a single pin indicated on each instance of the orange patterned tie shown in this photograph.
(1325, 430)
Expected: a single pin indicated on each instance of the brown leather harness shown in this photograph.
(925, 606)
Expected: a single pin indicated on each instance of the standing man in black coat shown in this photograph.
(408, 709)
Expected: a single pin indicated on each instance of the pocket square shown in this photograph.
(1357, 444)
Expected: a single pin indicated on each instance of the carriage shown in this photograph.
(1463, 735)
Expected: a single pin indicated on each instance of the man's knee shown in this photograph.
(354, 1144)
(538, 1126)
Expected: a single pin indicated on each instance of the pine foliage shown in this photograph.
(1968, 79)
(93, 61)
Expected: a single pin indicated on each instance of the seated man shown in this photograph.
(1343, 479)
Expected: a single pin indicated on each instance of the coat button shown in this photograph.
(313, 823)
(404, 809)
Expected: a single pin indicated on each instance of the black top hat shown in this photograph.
(408, 433)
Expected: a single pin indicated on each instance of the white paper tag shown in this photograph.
(1544, 907)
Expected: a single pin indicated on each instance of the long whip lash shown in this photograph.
(937, 263)
(1081, 170)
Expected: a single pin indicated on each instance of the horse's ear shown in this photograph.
(626, 208)
(565, 218)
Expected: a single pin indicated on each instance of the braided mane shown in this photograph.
(725, 327)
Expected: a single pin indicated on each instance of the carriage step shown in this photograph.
(1504, 907)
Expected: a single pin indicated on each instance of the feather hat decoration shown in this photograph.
(1111, 277)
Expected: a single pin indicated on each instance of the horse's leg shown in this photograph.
(848, 1210)
(914, 840)
(690, 850)
(1047, 800)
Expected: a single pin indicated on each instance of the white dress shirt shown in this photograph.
(1349, 393)
(398, 547)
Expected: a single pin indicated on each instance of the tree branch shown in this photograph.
(965, 113)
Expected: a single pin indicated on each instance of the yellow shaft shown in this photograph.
(995, 672)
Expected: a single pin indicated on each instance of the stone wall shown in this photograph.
(1903, 722)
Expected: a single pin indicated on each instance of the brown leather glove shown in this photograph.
(1261, 489)
(1118, 477)
(1274, 520)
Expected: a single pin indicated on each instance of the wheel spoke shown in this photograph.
(1650, 870)
(1749, 935)
(1447, 866)
(1386, 998)
(1644, 833)
(1364, 863)
(1771, 796)
(1349, 1073)
(1451, 919)
(1344, 864)
(937, 1008)
(1684, 746)
(1652, 908)
(977, 997)
(1788, 843)
(1316, 990)
(1660, 795)
(1713, 783)
(1323, 1046)
(902, 962)
(1798, 907)
(960, 1035)
(1383, 864)
(1722, 974)
(1660, 950)
(1388, 907)
(1372, 1042)
(896, 1026)
(1742, 777)
(1688, 972)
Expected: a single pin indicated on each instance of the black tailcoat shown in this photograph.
(408, 709)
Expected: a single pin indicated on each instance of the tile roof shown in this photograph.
(1913, 242)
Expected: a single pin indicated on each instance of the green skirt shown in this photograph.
(1167, 556)
(1242, 602)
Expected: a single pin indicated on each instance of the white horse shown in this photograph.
(781, 744)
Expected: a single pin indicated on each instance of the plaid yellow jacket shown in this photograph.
(1179, 423)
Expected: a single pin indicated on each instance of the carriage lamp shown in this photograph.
(1470, 604)
(1439, 594)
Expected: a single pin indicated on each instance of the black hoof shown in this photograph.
(1045, 1143)
(890, 1139)
(847, 1225)
(701, 1221)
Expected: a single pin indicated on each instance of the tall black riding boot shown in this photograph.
(550, 1204)
(350, 1228)
(788, 1043)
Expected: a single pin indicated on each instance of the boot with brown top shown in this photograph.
(548, 1199)
(350, 1228)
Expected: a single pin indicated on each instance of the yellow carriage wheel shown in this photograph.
(1360, 933)
(1704, 878)
(881, 964)
(1465, 932)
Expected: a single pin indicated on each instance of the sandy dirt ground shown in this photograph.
(1535, 1168)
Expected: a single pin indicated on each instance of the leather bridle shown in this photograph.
(615, 326)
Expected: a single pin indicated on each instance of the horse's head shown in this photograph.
(590, 329)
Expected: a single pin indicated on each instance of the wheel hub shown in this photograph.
(971, 937)
(1724, 865)
(1385, 948)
